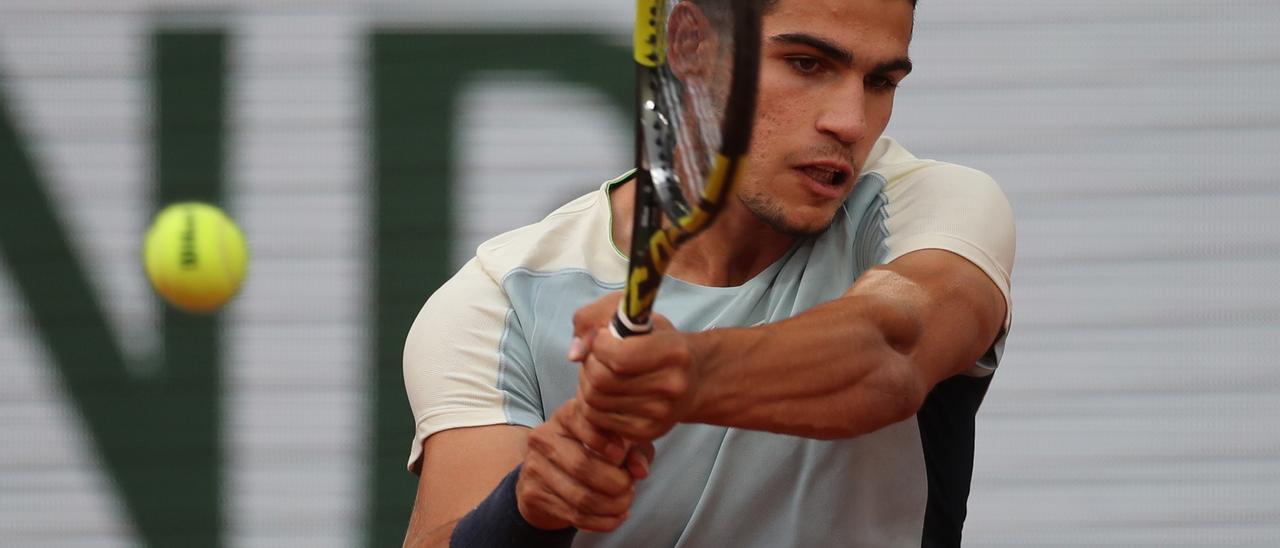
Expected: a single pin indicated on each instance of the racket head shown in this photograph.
(697, 71)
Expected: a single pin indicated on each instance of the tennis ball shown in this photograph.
(195, 256)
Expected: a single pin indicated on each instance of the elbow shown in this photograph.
(898, 390)
(893, 392)
(906, 393)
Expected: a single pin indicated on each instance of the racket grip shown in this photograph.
(622, 326)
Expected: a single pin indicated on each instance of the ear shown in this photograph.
(691, 42)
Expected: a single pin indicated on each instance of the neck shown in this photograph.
(734, 249)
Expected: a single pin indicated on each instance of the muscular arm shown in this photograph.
(855, 364)
(460, 467)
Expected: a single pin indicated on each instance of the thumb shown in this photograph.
(589, 319)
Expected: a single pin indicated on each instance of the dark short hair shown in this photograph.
(767, 4)
(718, 10)
(720, 7)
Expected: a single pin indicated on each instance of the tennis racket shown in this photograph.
(697, 69)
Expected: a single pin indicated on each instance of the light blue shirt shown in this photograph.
(903, 485)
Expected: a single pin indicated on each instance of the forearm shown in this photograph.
(838, 370)
(435, 537)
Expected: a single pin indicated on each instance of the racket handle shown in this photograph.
(622, 326)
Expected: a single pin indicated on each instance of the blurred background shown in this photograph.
(367, 146)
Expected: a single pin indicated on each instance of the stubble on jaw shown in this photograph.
(768, 211)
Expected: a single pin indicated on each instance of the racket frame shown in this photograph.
(653, 242)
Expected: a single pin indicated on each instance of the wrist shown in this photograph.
(703, 364)
(498, 521)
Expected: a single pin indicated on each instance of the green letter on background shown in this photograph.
(158, 437)
(416, 79)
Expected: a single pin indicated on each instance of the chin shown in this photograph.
(798, 222)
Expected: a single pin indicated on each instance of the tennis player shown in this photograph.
(819, 354)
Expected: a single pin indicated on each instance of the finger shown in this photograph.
(667, 383)
(595, 401)
(542, 502)
(588, 319)
(640, 459)
(576, 490)
(538, 503)
(583, 466)
(600, 377)
(581, 346)
(638, 355)
(629, 427)
(646, 450)
(644, 406)
(600, 524)
(589, 342)
(543, 509)
(605, 443)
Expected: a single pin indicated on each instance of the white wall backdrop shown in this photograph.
(1137, 402)
(1136, 406)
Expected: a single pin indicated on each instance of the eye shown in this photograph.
(804, 65)
(881, 83)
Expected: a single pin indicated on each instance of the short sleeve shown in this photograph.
(466, 362)
(957, 209)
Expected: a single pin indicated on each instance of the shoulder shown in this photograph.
(940, 196)
(907, 176)
(577, 236)
(574, 237)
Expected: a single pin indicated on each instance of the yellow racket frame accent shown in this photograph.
(663, 243)
(719, 182)
(658, 240)
(649, 42)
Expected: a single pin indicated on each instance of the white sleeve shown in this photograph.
(465, 361)
(957, 209)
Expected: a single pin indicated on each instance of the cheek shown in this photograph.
(759, 159)
(779, 97)
(777, 121)
(882, 111)
(764, 130)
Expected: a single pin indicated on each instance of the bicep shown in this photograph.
(460, 467)
(466, 362)
(955, 310)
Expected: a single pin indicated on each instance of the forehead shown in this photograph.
(874, 28)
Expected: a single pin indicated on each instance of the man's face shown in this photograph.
(828, 71)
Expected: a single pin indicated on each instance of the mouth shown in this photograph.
(832, 175)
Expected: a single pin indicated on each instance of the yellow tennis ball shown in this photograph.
(195, 256)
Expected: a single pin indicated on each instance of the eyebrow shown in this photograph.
(837, 53)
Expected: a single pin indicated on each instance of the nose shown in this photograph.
(844, 117)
